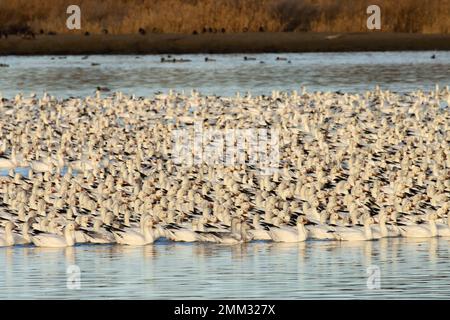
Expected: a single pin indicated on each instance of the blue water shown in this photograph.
(145, 75)
(408, 269)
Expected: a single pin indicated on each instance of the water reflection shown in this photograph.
(397, 71)
(409, 268)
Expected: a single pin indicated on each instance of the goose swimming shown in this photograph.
(238, 234)
(177, 233)
(55, 240)
(357, 233)
(290, 234)
(321, 231)
(98, 234)
(259, 232)
(7, 239)
(134, 238)
(339, 158)
(421, 231)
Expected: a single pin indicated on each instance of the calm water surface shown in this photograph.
(316, 269)
(145, 75)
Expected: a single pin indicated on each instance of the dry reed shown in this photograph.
(187, 16)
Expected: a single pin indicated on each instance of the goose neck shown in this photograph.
(148, 234)
(368, 230)
(302, 231)
(70, 237)
(9, 236)
(433, 228)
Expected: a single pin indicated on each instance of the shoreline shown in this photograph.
(282, 42)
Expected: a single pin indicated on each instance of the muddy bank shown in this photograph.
(221, 43)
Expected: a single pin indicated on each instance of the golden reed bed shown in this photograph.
(187, 16)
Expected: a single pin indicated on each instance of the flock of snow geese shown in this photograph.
(100, 170)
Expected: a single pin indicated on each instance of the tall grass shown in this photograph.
(185, 16)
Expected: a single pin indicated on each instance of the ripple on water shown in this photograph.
(311, 270)
(396, 71)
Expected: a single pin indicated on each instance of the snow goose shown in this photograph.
(177, 233)
(321, 231)
(98, 234)
(393, 230)
(380, 230)
(421, 230)
(9, 163)
(56, 240)
(42, 165)
(7, 239)
(80, 235)
(26, 238)
(356, 233)
(6, 163)
(23, 237)
(238, 234)
(259, 232)
(290, 234)
(442, 228)
(134, 238)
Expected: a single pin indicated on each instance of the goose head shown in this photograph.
(368, 220)
(302, 221)
(70, 228)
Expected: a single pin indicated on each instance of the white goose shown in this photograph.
(393, 229)
(80, 236)
(41, 165)
(11, 163)
(290, 234)
(259, 232)
(380, 230)
(6, 163)
(237, 235)
(98, 234)
(24, 238)
(421, 231)
(7, 239)
(134, 238)
(177, 233)
(442, 228)
(321, 231)
(56, 240)
(356, 233)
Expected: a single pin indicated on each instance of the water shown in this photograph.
(145, 75)
(409, 269)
